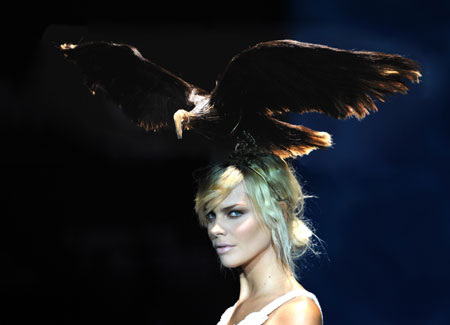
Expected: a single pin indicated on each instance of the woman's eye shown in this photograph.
(210, 216)
(235, 213)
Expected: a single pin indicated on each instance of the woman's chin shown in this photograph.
(229, 264)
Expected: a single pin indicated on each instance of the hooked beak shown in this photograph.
(181, 119)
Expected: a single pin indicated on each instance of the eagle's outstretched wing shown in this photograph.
(276, 77)
(148, 94)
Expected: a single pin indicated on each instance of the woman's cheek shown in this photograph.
(246, 229)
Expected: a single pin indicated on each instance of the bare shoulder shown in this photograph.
(299, 311)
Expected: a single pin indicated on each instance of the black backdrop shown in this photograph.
(99, 224)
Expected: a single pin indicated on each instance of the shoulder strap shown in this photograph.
(225, 318)
(285, 298)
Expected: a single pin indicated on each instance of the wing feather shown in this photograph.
(282, 76)
(148, 94)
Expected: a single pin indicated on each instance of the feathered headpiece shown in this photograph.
(258, 85)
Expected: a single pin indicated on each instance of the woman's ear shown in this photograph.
(284, 209)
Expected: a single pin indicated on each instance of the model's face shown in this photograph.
(235, 231)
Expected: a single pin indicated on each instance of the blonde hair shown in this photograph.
(275, 194)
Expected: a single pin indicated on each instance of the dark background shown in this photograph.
(98, 224)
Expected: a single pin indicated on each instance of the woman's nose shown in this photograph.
(217, 229)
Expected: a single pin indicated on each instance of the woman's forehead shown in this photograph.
(237, 195)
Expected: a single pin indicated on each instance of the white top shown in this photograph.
(259, 317)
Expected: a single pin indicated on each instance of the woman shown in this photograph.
(252, 209)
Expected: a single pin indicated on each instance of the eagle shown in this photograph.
(257, 87)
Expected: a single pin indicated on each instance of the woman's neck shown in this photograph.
(265, 276)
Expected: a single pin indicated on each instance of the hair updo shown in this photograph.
(274, 192)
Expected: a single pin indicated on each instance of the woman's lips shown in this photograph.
(223, 249)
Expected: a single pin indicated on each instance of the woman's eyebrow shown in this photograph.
(227, 208)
